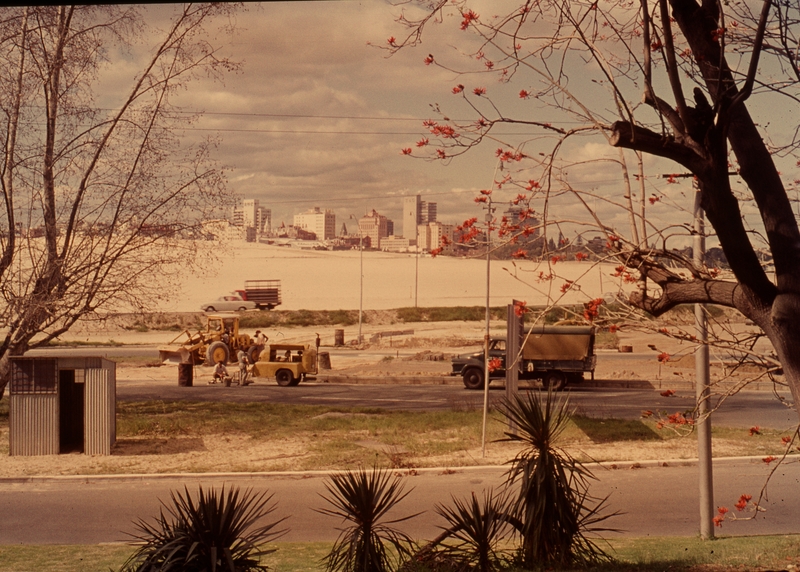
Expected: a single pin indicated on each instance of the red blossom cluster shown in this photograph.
(579, 256)
(544, 277)
(436, 252)
(654, 199)
(663, 357)
(480, 199)
(672, 179)
(741, 504)
(656, 45)
(755, 430)
(556, 259)
(422, 142)
(717, 34)
(441, 154)
(489, 64)
(458, 89)
(469, 16)
(467, 231)
(428, 60)
(768, 459)
(519, 253)
(495, 364)
(612, 241)
(621, 272)
(591, 309)
(443, 131)
(566, 286)
(613, 328)
(532, 185)
(479, 91)
(508, 155)
(520, 308)
(786, 439)
(406, 151)
(524, 94)
(668, 393)
(392, 41)
(519, 199)
(718, 520)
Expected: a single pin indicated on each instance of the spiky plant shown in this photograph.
(553, 508)
(217, 532)
(362, 498)
(475, 529)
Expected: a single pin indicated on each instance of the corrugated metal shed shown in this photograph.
(63, 404)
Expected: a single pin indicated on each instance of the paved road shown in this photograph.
(656, 501)
(743, 410)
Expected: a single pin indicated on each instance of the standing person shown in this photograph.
(243, 371)
(260, 343)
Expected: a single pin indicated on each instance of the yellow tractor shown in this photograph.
(219, 342)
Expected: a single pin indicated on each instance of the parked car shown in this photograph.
(229, 303)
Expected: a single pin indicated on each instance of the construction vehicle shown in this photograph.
(289, 364)
(556, 355)
(264, 293)
(220, 341)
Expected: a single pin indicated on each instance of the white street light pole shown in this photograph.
(416, 269)
(489, 211)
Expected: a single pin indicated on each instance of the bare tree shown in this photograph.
(667, 79)
(101, 194)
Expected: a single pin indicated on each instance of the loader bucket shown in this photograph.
(174, 355)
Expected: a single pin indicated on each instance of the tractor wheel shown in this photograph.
(253, 353)
(555, 380)
(217, 352)
(284, 377)
(473, 378)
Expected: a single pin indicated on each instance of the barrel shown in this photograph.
(338, 338)
(324, 360)
(185, 374)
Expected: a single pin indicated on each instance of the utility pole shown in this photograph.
(701, 369)
(489, 211)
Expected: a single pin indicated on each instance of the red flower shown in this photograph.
(755, 430)
(422, 142)
(742, 503)
(524, 94)
(436, 251)
(458, 89)
(613, 328)
(520, 253)
(391, 41)
(479, 91)
(489, 64)
(722, 510)
(656, 45)
(663, 357)
(495, 364)
(769, 459)
(480, 199)
(469, 16)
(428, 60)
(718, 520)
(786, 440)
(406, 151)
(520, 308)
(441, 154)
(581, 256)
(668, 393)
(566, 286)
(532, 185)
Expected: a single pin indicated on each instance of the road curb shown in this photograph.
(604, 465)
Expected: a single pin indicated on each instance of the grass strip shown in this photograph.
(631, 554)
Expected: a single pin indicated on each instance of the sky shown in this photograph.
(317, 116)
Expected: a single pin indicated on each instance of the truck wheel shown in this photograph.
(555, 380)
(284, 377)
(473, 378)
(253, 353)
(217, 352)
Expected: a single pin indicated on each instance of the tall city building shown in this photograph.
(432, 233)
(416, 212)
(320, 222)
(375, 226)
(251, 215)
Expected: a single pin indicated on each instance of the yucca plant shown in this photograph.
(217, 532)
(362, 498)
(475, 528)
(553, 510)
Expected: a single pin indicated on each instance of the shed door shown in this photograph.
(71, 412)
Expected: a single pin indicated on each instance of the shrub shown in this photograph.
(217, 532)
(553, 510)
(362, 499)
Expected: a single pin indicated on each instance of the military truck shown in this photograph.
(289, 364)
(556, 355)
(220, 341)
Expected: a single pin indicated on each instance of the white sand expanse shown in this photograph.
(329, 280)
